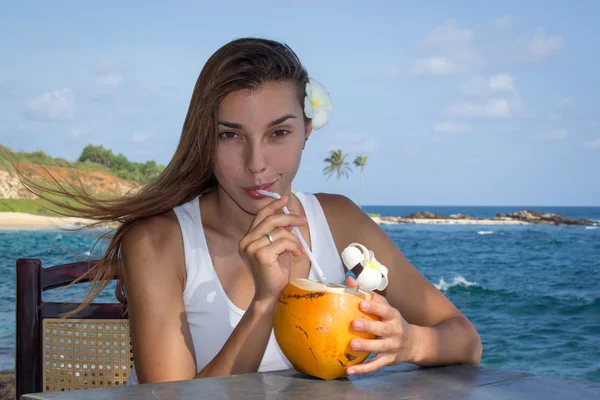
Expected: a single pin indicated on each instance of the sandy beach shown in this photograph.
(23, 221)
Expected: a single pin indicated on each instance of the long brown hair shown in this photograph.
(242, 64)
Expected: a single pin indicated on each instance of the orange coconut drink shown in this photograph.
(312, 319)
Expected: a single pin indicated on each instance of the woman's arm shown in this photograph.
(154, 269)
(439, 333)
(154, 266)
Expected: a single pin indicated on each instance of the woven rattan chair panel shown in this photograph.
(85, 353)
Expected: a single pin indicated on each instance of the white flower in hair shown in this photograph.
(317, 103)
(370, 273)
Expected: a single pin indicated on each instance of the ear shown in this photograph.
(308, 130)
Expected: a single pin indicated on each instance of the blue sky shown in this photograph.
(470, 103)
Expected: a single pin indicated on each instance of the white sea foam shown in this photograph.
(591, 227)
(485, 232)
(87, 253)
(457, 281)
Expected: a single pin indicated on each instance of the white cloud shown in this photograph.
(492, 108)
(433, 66)
(451, 127)
(481, 86)
(593, 144)
(494, 96)
(56, 105)
(558, 134)
(447, 49)
(540, 47)
(450, 48)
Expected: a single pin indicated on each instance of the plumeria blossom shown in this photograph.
(373, 275)
(317, 103)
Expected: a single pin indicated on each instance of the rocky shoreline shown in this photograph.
(522, 217)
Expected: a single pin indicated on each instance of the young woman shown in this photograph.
(203, 256)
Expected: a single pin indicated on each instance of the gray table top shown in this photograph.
(401, 382)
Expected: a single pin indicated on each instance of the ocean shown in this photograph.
(532, 291)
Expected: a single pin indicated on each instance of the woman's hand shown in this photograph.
(396, 343)
(270, 262)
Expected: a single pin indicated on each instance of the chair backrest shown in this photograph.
(90, 349)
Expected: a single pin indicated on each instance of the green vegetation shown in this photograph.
(92, 158)
(119, 165)
(29, 206)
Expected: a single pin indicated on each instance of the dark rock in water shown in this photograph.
(536, 217)
(460, 216)
(7, 385)
(427, 215)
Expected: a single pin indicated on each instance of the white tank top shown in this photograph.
(210, 313)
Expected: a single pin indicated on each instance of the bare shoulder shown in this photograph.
(348, 223)
(154, 242)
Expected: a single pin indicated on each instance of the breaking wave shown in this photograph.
(457, 281)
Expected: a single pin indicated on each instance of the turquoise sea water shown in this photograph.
(533, 292)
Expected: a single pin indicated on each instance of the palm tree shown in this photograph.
(361, 161)
(337, 164)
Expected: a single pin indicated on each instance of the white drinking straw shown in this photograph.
(297, 231)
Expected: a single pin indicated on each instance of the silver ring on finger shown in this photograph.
(269, 237)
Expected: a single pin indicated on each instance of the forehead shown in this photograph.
(262, 105)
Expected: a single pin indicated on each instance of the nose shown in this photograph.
(256, 158)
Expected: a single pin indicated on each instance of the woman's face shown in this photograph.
(261, 135)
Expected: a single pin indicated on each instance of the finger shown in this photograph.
(276, 235)
(381, 308)
(273, 222)
(377, 362)
(351, 282)
(383, 345)
(269, 209)
(377, 328)
(269, 255)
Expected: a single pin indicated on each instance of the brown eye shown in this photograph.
(281, 132)
(227, 135)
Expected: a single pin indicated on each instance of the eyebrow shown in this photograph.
(234, 125)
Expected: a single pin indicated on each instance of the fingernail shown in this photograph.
(355, 345)
(351, 371)
(302, 218)
(364, 305)
(358, 324)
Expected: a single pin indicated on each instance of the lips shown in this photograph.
(252, 190)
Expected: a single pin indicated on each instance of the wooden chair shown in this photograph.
(91, 349)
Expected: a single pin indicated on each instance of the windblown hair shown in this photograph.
(242, 64)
